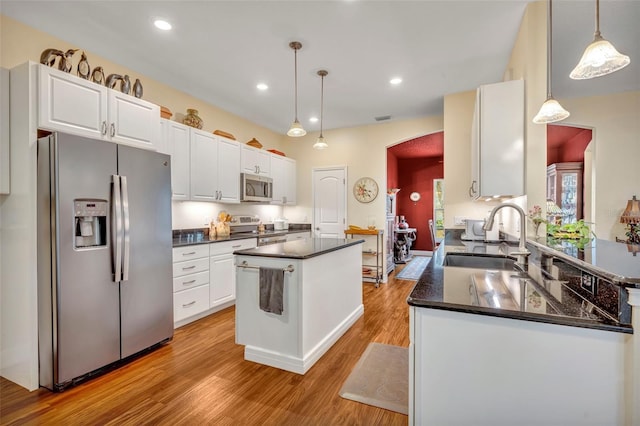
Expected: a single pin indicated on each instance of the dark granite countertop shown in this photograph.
(300, 249)
(542, 294)
(187, 237)
(614, 261)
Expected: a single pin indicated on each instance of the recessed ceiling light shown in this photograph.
(395, 80)
(262, 86)
(162, 24)
(313, 119)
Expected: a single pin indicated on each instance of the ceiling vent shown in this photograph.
(383, 118)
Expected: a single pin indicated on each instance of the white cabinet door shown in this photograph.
(228, 168)
(222, 281)
(283, 173)
(255, 161)
(498, 140)
(71, 104)
(290, 179)
(204, 161)
(176, 139)
(133, 121)
(74, 105)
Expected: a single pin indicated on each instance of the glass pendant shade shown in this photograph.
(320, 143)
(550, 112)
(296, 130)
(599, 58)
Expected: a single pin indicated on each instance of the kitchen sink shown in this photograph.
(479, 262)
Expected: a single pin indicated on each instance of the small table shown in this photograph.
(404, 238)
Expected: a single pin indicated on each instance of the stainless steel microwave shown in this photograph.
(255, 188)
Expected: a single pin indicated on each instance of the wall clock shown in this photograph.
(365, 190)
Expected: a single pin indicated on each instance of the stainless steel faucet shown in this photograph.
(522, 253)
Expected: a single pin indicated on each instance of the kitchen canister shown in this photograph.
(192, 119)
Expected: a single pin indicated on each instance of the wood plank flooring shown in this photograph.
(201, 378)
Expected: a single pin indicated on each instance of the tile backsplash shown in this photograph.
(194, 214)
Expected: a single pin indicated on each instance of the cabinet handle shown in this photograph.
(104, 128)
(219, 195)
(189, 254)
(239, 245)
(188, 267)
(188, 282)
(472, 190)
(186, 305)
(284, 199)
(113, 129)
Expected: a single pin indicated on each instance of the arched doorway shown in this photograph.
(412, 166)
(569, 166)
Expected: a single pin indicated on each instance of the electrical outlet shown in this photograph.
(589, 282)
(459, 220)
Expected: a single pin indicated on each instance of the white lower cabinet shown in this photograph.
(222, 278)
(204, 279)
(190, 281)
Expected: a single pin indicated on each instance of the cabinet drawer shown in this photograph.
(190, 267)
(192, 280)
(190, 302)
(190, 252)
(229, 247)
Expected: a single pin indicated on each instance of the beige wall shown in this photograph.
(20, 43)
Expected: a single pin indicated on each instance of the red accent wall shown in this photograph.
(566, 144)
(417, 175)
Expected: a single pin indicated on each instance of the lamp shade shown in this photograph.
(599, 58)
(320, 143)
(553, 209)
(296, 130)
(631, 214)
(550, 112)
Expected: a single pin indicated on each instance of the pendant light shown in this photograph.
(600, 57)
(551, 110)
(296, 130)
(320, 143)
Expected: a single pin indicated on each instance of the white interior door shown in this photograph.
(329, 202)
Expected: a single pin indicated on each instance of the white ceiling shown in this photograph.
(219, 50)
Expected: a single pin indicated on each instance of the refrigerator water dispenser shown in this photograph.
(90, 223)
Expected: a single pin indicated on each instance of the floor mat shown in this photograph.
(380, 378)
(414, 268)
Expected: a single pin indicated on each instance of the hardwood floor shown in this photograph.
(202, 378)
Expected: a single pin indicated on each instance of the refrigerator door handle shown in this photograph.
(116, 229)
(125, 220)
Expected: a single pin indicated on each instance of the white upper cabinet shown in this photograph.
(283, 173)
(497, 141)
(74, 105)
(255, 161)
(176, 141)
(204, 161)
(215, 168)
(228, 170)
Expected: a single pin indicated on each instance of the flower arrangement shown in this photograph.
(535, 215)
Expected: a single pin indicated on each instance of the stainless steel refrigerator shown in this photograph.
(105, 288)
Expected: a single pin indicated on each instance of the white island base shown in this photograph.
(322, 300)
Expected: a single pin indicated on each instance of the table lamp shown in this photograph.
(631, 217)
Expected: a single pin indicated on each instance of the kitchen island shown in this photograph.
(494, 345)
(321, 299)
